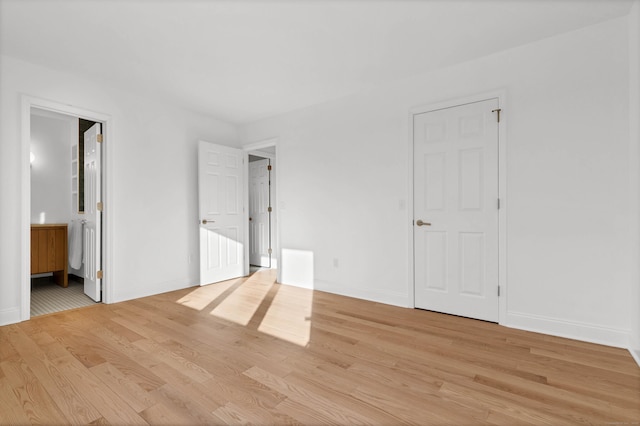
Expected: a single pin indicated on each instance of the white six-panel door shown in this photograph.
(221, 204)
(456, 210)
(92, 229)
(259, 226)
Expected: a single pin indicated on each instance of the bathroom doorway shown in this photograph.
(60, 213)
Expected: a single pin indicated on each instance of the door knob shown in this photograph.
(419, 222)
(250, 219)
(205, 221)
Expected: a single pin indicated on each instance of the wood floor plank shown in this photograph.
(431, 412)
(395, 379)
(250, 351)
(100, 422)
(187, 407)
(32, 398)
(11, 413)
(112, 407)
(371, 412)
(588, 407)
(239, 413)
(231, 414)
(7, 351)
(160, 414)
(203, 393)
(612, 362)
(313, 399)
(136, 397)
(109, 347)
(194, 371)
(246, 391)
(75, 406)
(132, 362)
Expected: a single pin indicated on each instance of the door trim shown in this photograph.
(256, 148)
(501, 95)
(28, 102)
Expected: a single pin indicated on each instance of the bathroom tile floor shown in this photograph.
(48, 297)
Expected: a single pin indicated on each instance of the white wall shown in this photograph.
(52, 137)
(344, 182)
(51, 170)
(153, 185)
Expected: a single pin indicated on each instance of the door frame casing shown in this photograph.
(256, 148)
(501, 95)
(27, 103)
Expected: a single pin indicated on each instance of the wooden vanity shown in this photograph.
(49, 251)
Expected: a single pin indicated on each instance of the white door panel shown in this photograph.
(92, 228)
(221, 208)
(259, 220)
(456, 194)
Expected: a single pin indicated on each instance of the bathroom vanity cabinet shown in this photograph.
(49, 251)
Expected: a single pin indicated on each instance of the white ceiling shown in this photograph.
(241, 60)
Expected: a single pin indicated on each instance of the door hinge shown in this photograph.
(498, 203)
(269, 167)
(99, 274)
(498, 111)
(99, 138)
(269, 209)
(99, 206)
(498, 291)
(270, 251)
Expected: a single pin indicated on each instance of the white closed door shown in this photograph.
(259, 214)
(92, 212)
(221, 208)
(456, 210)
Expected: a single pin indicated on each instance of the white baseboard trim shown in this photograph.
(569, 329)
(309, 286)
(152, 289)
(9, 316)
(388, 298)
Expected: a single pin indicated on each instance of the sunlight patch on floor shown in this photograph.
(260, 303)
(289, 315)
(240, 305)
(202, 297)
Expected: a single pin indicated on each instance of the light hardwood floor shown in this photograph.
(251, 351)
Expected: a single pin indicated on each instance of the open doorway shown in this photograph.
(64, 189)
(262, 208)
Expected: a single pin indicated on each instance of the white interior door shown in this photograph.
(259, 218)
(456, 210)
(221, 207)
(92, 213)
